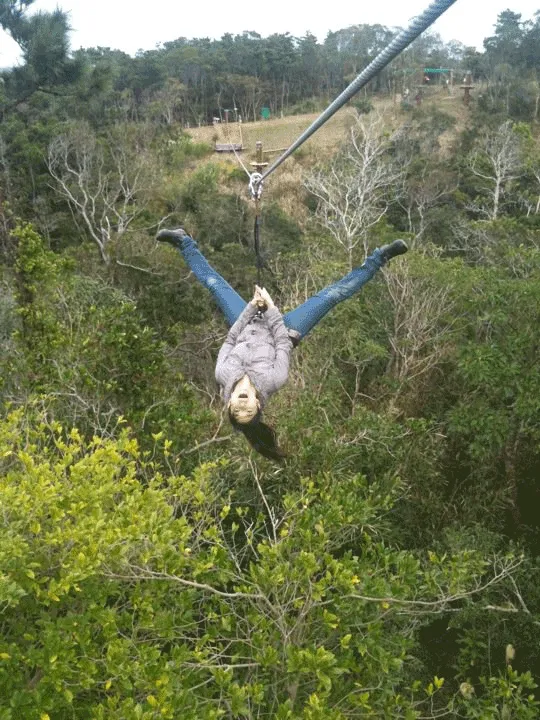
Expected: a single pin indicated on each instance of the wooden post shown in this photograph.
(259, 163)
(467, 87)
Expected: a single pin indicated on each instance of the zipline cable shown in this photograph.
(398, 44)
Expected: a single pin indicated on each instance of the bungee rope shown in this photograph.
(257, 242)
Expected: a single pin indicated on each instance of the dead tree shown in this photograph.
(354, 190)
(419, 329)
(423, 191)
(103, 181)
(496, 163)
(531, 200)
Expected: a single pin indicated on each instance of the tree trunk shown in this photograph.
(496, 199)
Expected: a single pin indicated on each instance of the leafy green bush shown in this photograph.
(310, 105)
(85, 348)
(363, 105)
(131, 589)
(181, 151)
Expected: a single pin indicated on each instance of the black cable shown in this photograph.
(257, 246)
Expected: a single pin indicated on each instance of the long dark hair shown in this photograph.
(260, 436)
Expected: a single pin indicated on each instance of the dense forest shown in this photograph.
(151, 564)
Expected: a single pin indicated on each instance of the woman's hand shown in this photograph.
(266, 297)
(258, 299)
(262, 299)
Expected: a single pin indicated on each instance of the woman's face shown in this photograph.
(244, 404)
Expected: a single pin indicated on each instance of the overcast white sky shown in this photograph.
(130, 25)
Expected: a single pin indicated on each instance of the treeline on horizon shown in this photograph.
(192, 80)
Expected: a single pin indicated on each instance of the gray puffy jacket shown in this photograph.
(256, 346)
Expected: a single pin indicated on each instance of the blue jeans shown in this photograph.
(304, 318)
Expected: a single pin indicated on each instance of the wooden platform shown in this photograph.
(229, 147)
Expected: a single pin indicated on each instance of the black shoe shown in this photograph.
(173, 237)
(294, 337)
(398, 247)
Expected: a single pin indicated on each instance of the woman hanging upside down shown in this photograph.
(253, 362)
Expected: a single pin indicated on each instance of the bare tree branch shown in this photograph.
(101, 181)
(496, 163)
(353, 192)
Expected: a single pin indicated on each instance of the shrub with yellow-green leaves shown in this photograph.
(131, 591)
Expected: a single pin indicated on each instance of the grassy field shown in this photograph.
(276, 134)
(286, 185)
(279, 133)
